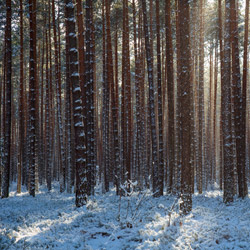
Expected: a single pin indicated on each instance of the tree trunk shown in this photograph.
(160, 114)
(21, 105)
(32, 97)
(170, 91)
(90, 109)
(185, 107)
(155, 167)
(238, 102)
(201, 101)
(244, 94)
(7, 110)
(126, 96)
(80, 150)
(47, 118)
(61, 153)
(226, 113)
(114, 100)
(221, 80)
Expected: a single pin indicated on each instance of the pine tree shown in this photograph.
(159, 90)
(222, 83)
(185, 107)
(47, 117)
(170, 91)
(105, 107)
(237, 100)
(80, 147)
(226, 112)
(90, 109)
(126, 97)
(7, 110)
(155, 167)
(201, 100)
(113, 102)
(32, 97)
(21, 104)
(61, 152)
(244, 94)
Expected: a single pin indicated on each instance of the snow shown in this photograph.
(51, 221)
(76, 89)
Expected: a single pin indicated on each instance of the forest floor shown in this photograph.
(51, 221)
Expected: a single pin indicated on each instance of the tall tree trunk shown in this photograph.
(2, 83)
(80, 150)
(105, 107)
(185, 107)
(221, 80)
(155, 167)
(47, 118)
(126, 96)
(32, 97)
(226, 113)
(238, 102)
(216, 144)
(114, 100)
(160, 113)
(42, 135)
(61, 153)
(201, 100)
(170, 91)
(177, 172)
(68, 122)
(7, 110)
(21, 105)
(244, 92)
(89, 74)
(138, 106)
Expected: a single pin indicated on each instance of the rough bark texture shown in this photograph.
(244, 93)
(89, 77)
(7, 110)
(226, 113)
(114, 101)
(238, 101)
(201, 100)
(127, 98)
(61, 151)
(21, 105)
(185, 107)
(32, 97)
(221, 80)
(80, 148)
(170, 91)
(160, 113)
(155, 167)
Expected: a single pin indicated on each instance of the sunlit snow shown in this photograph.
(51, 221)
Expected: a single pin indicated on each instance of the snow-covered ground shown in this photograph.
(51, 221)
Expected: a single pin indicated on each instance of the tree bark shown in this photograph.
(90, 109)
(21, 105)
(80, 147)
(226, 113)
(170, 91)
(155, 167)
(160, 113)
(237, 100)
(201, 100)
(126, 97)
(244, 93)
(32, 97)
(185, 107)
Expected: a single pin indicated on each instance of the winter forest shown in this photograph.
(124, 124)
